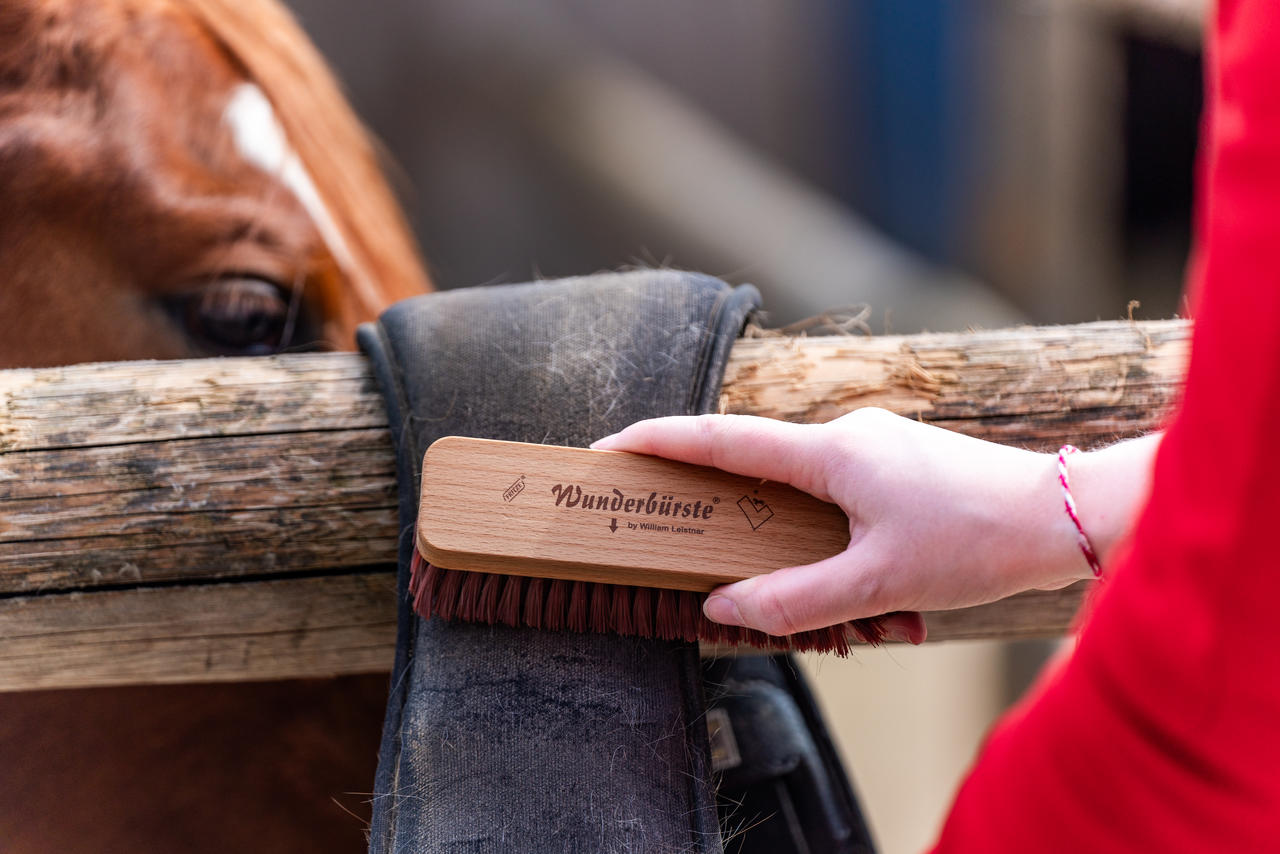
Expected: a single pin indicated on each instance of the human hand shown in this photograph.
(937, 520)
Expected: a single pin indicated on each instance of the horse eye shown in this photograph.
(239, 317)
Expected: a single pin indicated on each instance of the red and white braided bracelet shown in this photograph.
(1085, 545)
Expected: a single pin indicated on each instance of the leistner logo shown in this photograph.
(756, 511)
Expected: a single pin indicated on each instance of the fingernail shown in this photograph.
(599, 444)
(904, 634)
(722, 609)
(900, 634)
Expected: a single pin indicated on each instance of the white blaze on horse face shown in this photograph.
(260, 138)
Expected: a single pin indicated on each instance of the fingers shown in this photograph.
(742, 444)
(800, 598)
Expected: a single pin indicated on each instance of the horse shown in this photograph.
(183, 178)
(171, 167)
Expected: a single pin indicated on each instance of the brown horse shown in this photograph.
(182, 178)
(172, 169)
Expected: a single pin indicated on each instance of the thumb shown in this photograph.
(801, 598)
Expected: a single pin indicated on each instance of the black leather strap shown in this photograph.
(780, 777)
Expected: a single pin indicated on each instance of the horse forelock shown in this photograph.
(339, 157)
(260, 138)
(114, 129)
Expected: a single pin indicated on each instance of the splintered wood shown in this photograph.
(1088, 383)
(236, 519)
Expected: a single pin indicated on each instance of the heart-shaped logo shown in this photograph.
(756, 511)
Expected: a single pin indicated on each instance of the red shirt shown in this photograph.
(1162, 732)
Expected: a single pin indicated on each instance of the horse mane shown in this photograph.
(269, 45)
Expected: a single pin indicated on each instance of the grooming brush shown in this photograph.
(573, 539)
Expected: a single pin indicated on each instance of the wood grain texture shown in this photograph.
(129, 488)
(278, 629)
(615, 518)
(1089, 383)
(303, 627)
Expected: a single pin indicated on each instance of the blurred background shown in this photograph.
(950, 163)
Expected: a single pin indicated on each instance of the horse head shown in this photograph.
(183, 178)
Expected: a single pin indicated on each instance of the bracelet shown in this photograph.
(1085, 545)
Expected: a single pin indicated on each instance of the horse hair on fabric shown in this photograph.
(500, 739)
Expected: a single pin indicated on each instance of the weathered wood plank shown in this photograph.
(149, 471)
(1034, 614)
(128, 402)
(193, 508)
(1088, 383)
(299, 627)
(209, 633)
(119, 476)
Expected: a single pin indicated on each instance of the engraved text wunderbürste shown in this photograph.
(571, 495)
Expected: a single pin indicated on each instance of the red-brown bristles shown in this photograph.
(580, 606)
(533, 602)
(510, 603)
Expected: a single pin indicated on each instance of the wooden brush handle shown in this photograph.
(608, 516)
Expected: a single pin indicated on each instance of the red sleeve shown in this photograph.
(1162, 732)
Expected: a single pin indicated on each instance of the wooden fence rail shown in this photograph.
(230, 519)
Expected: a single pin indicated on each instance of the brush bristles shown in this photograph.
(666, 619)
(642, 611)
(601, 608)
(554, 613)
(580, 606)
(533, 595)
(468, 608)
(622, 615)
(509, 604)
(490, 592)
(577, 618)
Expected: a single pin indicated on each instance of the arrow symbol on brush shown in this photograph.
(613, 524)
